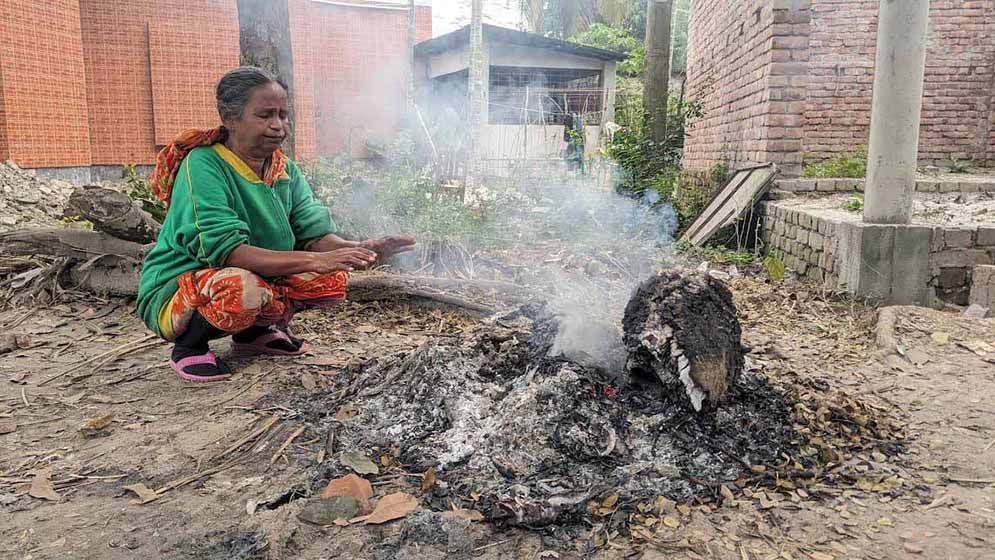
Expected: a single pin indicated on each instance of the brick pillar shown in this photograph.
(788, 85)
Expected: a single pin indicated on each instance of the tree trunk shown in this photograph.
(682, 329)
(657, 77)
(115, 213)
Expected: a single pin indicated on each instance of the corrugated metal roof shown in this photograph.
(461, 37)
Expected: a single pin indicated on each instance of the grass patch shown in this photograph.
(853, 203)
(845, 166)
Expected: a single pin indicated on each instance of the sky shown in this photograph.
(449, 15)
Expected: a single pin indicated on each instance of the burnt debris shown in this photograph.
(533, 437)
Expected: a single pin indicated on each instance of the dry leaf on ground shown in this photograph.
(350, 485)
(144, 493)
(7, 428)
(99, 423)
(392, 506)
(328, 511)
(346, 412)
(359, 463)
(41, 486)
(428, 480)
(918, 357)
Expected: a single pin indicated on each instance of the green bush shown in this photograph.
(642, 159)
(618, 40)
(853, 166)
(139, 189)
(367, 202)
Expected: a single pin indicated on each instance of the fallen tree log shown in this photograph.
(682, 329)
(77, 244)
(121, 279)
(104, 264)
(114, 213)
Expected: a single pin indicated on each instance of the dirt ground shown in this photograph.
(90, 404)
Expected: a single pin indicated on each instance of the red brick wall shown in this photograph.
(960, 66)
(126, 120)
(105, 82)
(957, 101)
(819, 73)
(351, 70)
(838, 108)
(728, 70)
(4, 151)
(43, 99)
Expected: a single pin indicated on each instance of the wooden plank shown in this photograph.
(739, 195)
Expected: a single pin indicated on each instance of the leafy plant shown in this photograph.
(616, 39)
(139, 189)
(367, 202)
(852, 165)
(720, 255)
(640, 157)
(775, 267)
(956, 165)
(719, 174)
(854, 203)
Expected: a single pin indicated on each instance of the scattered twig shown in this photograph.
(251, 437)
(286, 444)
(17, 322)
(133, 377)
(124, 347)
(120, 355)
(492, 545)
(971, 480)
(246, 388)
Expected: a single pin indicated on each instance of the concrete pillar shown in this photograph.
(476, 86)
(608, 80)
(899, 66)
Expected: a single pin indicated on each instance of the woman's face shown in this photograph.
(264, 124)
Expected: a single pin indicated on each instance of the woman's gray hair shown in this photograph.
(236, 87)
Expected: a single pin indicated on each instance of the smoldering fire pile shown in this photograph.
(529, 437)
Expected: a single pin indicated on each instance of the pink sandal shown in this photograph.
(203, 359)
(259, 345)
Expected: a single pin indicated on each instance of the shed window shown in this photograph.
(543, 95)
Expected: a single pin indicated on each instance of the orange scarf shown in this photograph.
(167, 163)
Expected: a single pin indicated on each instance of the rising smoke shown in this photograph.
(568, 235)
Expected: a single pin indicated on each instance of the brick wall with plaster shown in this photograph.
(42, 77)
(104, 83)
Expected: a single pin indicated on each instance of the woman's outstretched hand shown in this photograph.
(391, 245)
(346, 259)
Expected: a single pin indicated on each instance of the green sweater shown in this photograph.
(217, 204)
